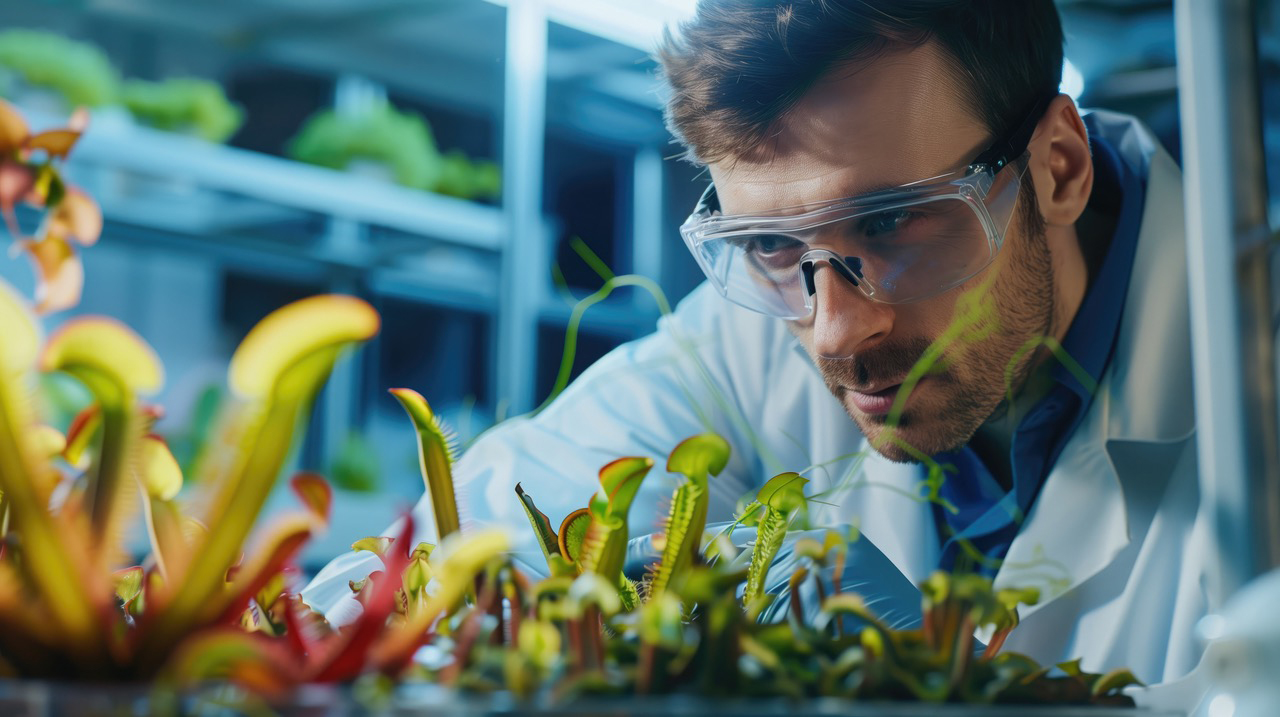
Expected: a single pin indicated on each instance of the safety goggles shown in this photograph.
(898, 245)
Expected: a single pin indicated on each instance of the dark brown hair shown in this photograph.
(739, 65)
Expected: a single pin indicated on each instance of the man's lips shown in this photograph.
(877, 402)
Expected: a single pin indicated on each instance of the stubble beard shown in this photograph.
(967, 388)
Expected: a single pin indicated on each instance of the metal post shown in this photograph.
(1228, 251)
(524, 257)
(647, 217)
(345, 238)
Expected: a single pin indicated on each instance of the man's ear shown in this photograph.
(1061, 164)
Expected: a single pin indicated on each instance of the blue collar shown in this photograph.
(1092, 336)
(977, 509)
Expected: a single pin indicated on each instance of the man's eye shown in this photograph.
(771, 245)
(885, 224)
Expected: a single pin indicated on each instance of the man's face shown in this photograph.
(894, 121)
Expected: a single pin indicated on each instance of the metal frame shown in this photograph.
(1228, 248)
(290, 184)
(524, 256)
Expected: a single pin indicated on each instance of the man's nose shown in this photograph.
(844, 319)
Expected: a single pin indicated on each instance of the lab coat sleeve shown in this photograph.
(640, 400)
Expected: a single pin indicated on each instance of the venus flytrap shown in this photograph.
(778, 499)
(79, 617)
(435, 457)
(605, 545)
(275, 373)
(696, 459)
(572, 535)
(116, 366)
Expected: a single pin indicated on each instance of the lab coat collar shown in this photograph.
(1099, 495)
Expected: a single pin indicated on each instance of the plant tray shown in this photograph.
(42, 699)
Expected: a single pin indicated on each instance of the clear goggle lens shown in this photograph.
(894, 252)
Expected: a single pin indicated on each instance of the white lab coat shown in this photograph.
(1114, 540)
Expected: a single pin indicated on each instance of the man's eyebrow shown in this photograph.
(864, 190)
(871, 189)
(859, 192)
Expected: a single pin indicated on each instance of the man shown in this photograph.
(915, 231)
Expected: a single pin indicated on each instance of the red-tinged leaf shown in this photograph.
(345, 658)
(275, 551)
(55, 142)
(271, 593)
(315, 494)
(457, 561)
(76, 218)
(619, 482)
(13, 128)
(293, 632)
(80, 434)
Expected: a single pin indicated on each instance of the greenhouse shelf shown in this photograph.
(121, 145)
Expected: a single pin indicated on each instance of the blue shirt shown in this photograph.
(980, 518)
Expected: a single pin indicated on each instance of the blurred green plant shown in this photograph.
(356, 467)
(188, 104)
(400, 141)
(466, 178)
(77, 71)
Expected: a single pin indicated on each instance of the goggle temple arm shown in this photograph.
(1008, 148)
